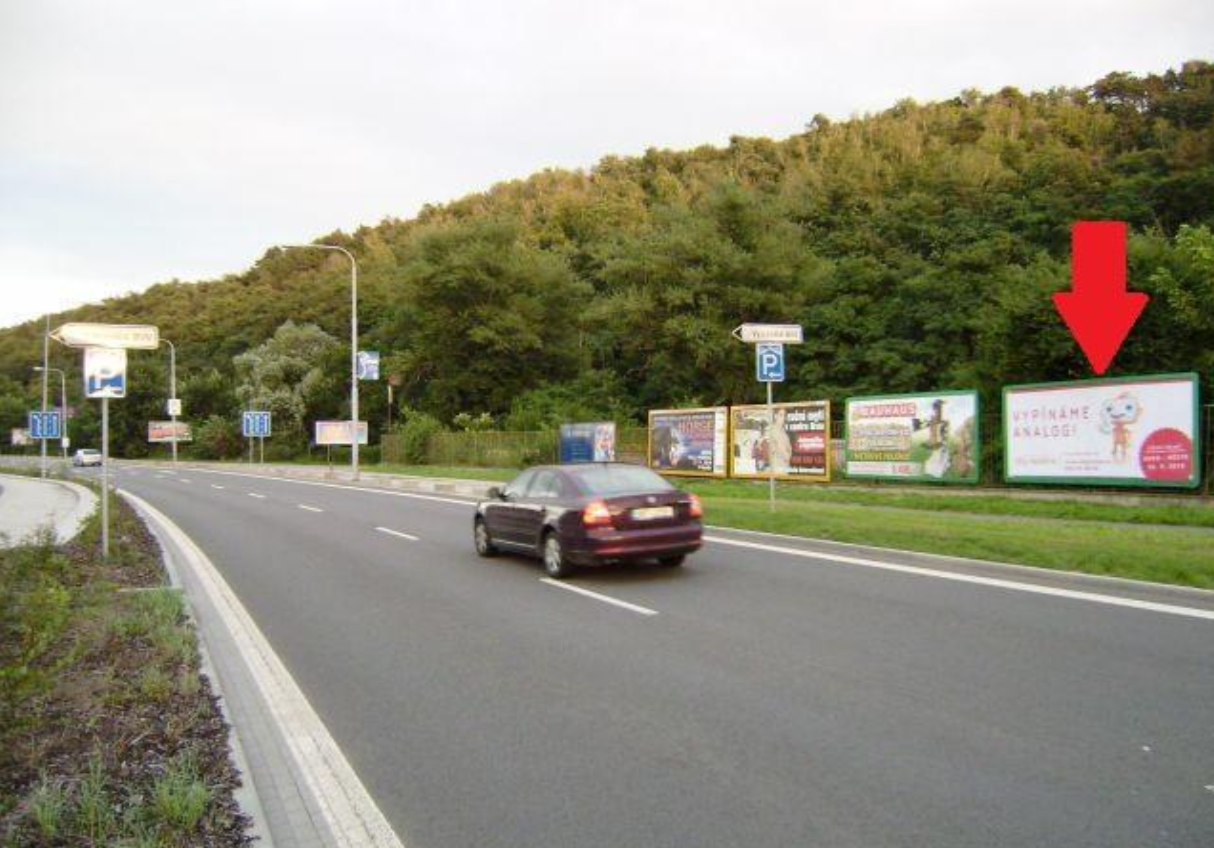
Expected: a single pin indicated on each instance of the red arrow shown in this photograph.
(1098, 310)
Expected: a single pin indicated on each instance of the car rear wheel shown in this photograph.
(480, 537)
(672, 561)
(555, 563)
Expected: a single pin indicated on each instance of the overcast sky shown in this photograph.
(145, 140)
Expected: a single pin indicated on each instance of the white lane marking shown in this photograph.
(255, 495)
(392, 532)
(1033, 588)
(604, 598)
(310, 508)
(185, 480)
(216, 486)
(469, 501)
(349, 811)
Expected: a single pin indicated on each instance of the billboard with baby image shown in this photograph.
(797, 447)
(921, 437)
(1126, 431)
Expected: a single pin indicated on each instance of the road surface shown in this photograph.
(753, 698)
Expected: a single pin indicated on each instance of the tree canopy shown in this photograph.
(919, 247)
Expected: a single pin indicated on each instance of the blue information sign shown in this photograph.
(255, 424)
(45, 425)
(769, 362)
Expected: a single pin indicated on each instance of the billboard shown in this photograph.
(922, 437)
(690, 442)
(162, 431)
(796, 448)
(1125, 431)
(338, 433)
(590, 442)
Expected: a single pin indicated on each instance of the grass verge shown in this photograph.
(1156, 553)
(109, 735)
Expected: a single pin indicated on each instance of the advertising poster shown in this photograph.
(921, 437)
(588, 442)
(689, 441)
(162, 431)
(338, 433)
(797, 447)
(1127, 431)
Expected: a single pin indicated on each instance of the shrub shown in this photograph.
(415, 435)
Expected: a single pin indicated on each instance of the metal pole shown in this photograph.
(771, 450)
(261, 449)
(105, 478)
(354, 365)
(46, 356)
(63, 411)
(173, 392)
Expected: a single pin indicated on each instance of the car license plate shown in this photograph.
(651, 513)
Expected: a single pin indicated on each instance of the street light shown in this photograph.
(172, 392)
(353, 342)
(62, 401)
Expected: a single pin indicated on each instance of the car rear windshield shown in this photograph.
(617, 479)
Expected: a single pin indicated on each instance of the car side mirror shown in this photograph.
(495, 493)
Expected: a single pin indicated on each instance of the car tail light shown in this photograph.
(596, 514)
(695, 508)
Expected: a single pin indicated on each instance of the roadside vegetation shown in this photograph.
(109, 736)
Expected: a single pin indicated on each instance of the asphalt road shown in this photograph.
(772, 700)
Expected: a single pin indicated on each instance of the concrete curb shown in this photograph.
(67, 526)
(307, 791)
(246, 796)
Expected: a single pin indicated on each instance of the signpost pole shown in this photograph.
(46, 361)
(105, 478)
(771, 450)
(261, 449)
(173, 392)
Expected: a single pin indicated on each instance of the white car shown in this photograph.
(86, 456)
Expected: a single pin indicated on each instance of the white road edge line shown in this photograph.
(596, 596)
(256, 495)
(310, 508)
(352, 816)
(1072, 594)
(392, 532)
(465, 501)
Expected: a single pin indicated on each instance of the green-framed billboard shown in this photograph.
(1113, 431)
(920, 437)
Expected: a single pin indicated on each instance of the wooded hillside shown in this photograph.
(918, 246)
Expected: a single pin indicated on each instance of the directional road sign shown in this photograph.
(104, 372)
(132, 336)
(255, 424)
(769, 362)
(44, 425)
(754, 333)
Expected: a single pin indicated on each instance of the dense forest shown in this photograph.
(919, 247)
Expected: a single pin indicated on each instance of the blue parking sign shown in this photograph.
(44, 425)
(769, 362)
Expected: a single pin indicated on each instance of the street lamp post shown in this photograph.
(46, 361)
(172, 392)
(62, 404)
(353, 342)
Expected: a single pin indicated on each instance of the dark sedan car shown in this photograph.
(590, 514)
